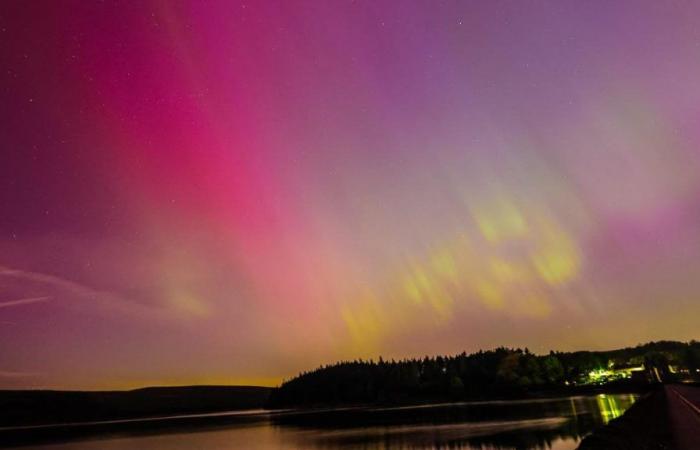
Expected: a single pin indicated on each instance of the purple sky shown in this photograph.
(228, 192)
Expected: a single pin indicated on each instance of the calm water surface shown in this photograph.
(540, 424)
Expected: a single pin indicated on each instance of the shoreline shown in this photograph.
(655, 421)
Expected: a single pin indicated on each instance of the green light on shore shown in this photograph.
(601, 376)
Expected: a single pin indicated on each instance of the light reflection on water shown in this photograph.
(557, 424)
(612, 406)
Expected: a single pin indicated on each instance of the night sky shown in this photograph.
(224, 192)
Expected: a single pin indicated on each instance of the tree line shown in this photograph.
(499, 372)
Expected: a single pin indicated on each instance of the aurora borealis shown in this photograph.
(226, 192)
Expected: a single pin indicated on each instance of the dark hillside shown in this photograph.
(41, 407)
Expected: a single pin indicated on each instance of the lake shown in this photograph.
(558, 423)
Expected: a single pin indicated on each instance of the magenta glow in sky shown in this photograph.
(228, 192)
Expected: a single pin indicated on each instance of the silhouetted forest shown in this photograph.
(502, 372)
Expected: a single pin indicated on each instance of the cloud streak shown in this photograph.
(24, 301)
(104, 299)
(17, 374)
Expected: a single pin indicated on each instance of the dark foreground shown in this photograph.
(526, 424)
(667, 419)
(22, 408)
